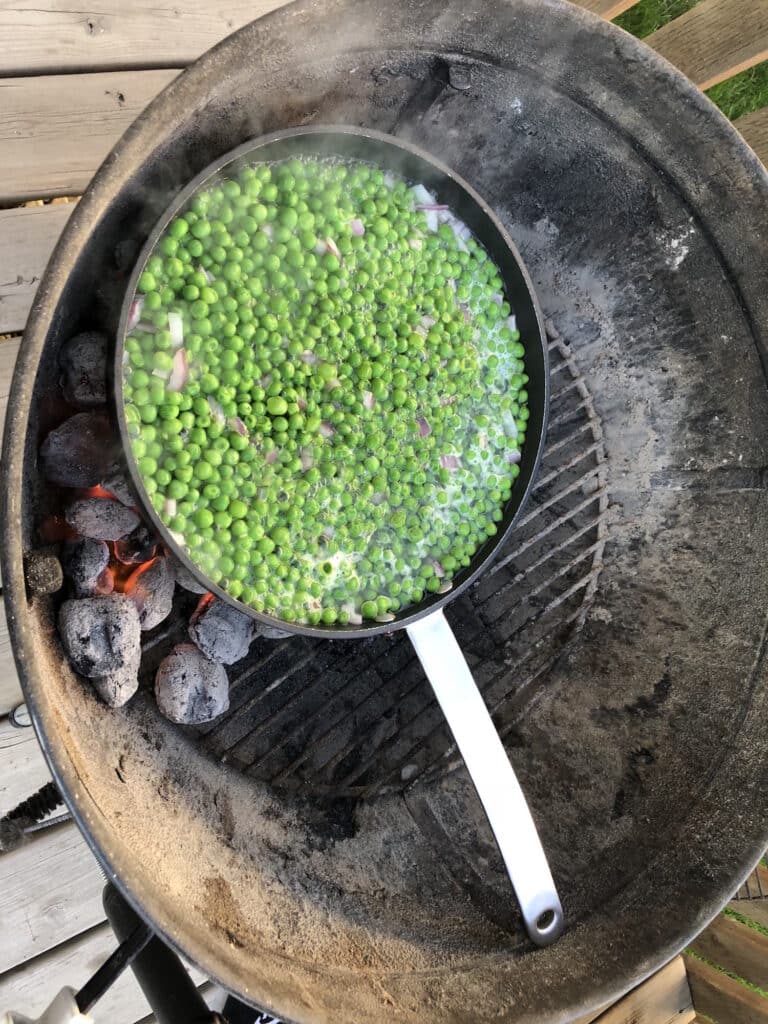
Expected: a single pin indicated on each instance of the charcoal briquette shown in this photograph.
(83, 364)
(42, 572)
(101, 518)
(186, 580)
(189, 688)
(117, 485)
(85, 562)
(153, 593)
(221, 632)
(117, 688)
(100, 635)
(80, 452)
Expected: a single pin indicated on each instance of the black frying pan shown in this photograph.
(441, 657)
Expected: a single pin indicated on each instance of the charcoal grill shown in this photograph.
(320, 850)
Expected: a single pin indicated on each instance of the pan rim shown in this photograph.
(513, 508)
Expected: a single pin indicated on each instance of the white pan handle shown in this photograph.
(492, 774)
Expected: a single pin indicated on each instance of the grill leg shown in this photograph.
(168, 988)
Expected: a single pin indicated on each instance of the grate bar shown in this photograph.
(579, 457)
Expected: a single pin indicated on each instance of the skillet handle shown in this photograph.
(493, 776)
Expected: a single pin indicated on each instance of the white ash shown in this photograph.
(84, 563)
(116, 483)
(221, 632)
(186, 580)
(189, 688)
(101, 518)
(80, 452)
(119, 686)
(83, 363)
(100, 635)
(153, 593)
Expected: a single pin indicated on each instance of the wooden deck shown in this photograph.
(71, 81)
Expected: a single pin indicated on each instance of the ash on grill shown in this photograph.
(120, 581)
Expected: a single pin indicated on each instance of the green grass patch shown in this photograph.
(649, 15)
(728, 974)
(743, 93)
(740, 95)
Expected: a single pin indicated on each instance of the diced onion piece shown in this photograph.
(424, 428)
(332, 247)
(432, 220)
(206, 274)
(432, 207)
(236, 424)
(512, 322)
(513, 457)
(309, 358)
(358, 228)
(169, 507)
(450, 462)
(439, 570)
(134, 313)
(355, 619)
(178, 377)
(326, 430)
(421, 195)
(368, 400)
(307, 461)
(216, 411)
(178, 537)
(176, 329)
(271, 456)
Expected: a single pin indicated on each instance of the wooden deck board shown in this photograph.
(29, 234)
(55, 130)
(715, 39)
(665, 998)
(737, 948)
(754, 128)
(10, 690)
(30, 987)
(114, 34)
(722, 999)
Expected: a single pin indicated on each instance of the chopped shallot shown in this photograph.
(513, 457)
(483, 441)
(178, 377)
(216, 411)
(236, 424)
(512, 322)
(206, 274)
(368, 400)
(326, 430)
(148, 328)
(424, 428)
(421, 195)
(439, 570)
(358, 228)
(176, 329)
(434, 207)
(450, 462)
(307, 461)
(355, 619)
(309, 358)
(416, 243)
(134, 313)
(271, 456)
(169, 507)
(332, 247)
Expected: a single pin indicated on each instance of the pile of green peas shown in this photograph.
(324, 389)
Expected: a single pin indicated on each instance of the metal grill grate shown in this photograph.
(358, 718)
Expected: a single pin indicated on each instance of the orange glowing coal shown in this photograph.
(130, 582)
(97, 492)
(202, 606)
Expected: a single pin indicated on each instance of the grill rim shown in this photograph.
(650, 69)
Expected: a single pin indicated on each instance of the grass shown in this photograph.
(747, 921)
(739, 95)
